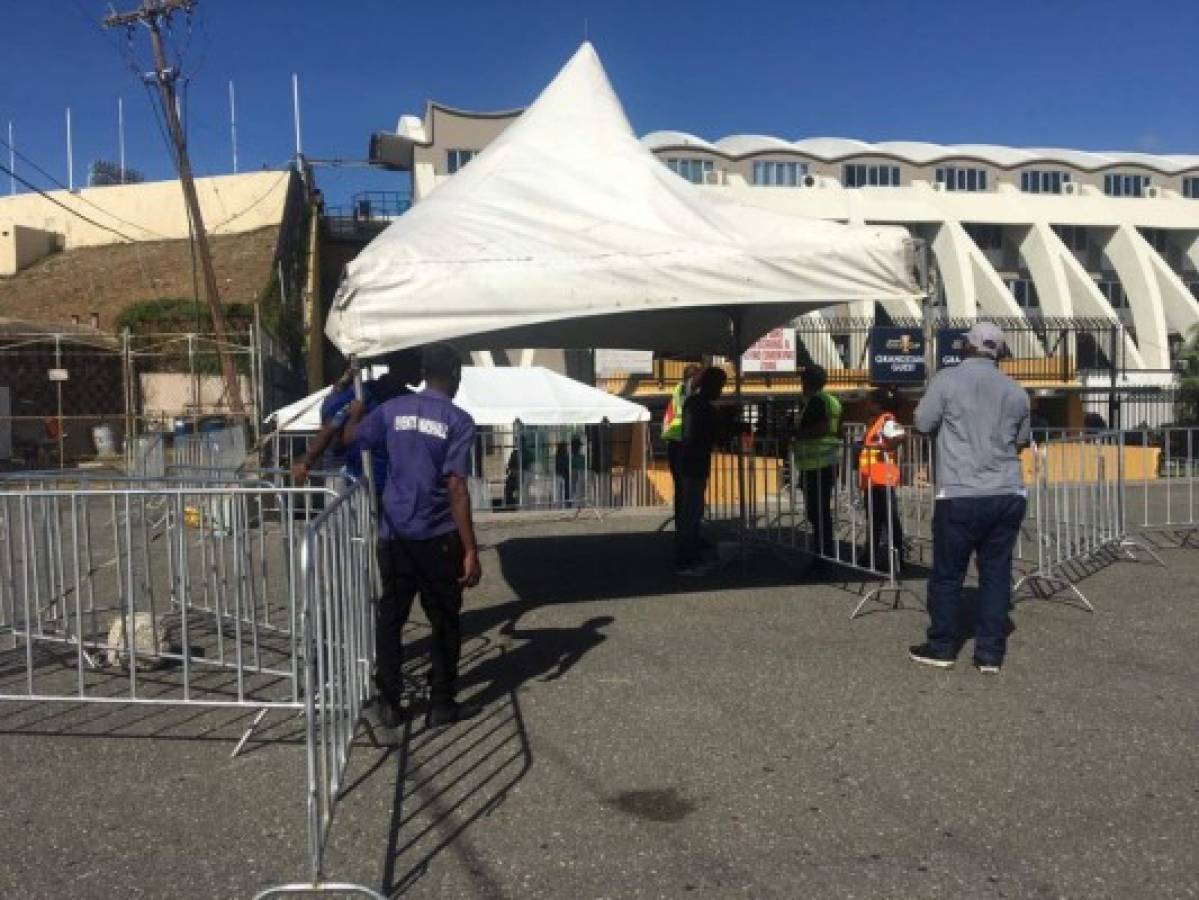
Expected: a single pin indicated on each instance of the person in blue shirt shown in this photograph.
(426, 535)
(403, 369)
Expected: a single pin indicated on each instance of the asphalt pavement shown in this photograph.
(647, 735)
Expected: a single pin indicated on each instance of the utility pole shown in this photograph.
(152, 14)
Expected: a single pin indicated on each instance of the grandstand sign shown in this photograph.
(896, 355)
(774, 352)
(951, 346)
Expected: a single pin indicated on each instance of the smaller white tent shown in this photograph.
(500, 396)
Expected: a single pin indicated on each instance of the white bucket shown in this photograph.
(105, 440)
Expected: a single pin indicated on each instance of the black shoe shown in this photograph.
(988, 666)
(391, 715)
(923, 654)
(449, 713)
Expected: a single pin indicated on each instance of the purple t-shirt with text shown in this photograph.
(426, 438)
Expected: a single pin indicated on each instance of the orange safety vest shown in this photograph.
(877, 465)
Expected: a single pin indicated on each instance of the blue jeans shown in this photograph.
(987, 527)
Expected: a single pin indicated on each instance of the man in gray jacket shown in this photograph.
(980, 418)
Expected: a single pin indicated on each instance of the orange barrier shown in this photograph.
(1071, 461)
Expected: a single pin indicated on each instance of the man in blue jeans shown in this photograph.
(980, 418)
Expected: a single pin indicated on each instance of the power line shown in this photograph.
(9, 172)
(156, 16)
(29, 162)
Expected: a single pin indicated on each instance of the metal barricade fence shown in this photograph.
(767, 495)
(172, 586)
(224, 448)
(337, 574)
(1161, 476)
(223, 596)
(1077, 498)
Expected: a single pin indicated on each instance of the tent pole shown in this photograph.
(735, 334)
(368, 472)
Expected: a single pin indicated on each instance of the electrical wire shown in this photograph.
(29, 162)
(33, 187)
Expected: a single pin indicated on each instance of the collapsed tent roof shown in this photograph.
(500, 396)
(566, 232)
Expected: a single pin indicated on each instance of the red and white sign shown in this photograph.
(774, 352)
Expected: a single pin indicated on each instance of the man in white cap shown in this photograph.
(980, 418)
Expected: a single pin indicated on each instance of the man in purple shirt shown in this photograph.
(426, 535)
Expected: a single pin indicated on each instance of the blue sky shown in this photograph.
(1097, 75)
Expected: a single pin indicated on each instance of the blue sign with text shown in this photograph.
(951, 346)
(896, 355)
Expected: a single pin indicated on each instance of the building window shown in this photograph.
(956, 179)
(1043, 181)
(987, 237)
(1073, 236)
(856, 176)
(456, 159)
(1158, 238)
(1113, 292)
(1121, 184)
(691, 169)
(1190, 188)
(1025, 293)
(784, 174)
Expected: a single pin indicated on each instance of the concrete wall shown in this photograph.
(153, 211)
(179, 394)
(21, 246)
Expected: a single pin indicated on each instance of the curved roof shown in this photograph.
(920, 153)
(746, 144)
(656, 140)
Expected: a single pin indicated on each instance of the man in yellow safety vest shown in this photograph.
(817, 454)
(878, 477)
(672, 429)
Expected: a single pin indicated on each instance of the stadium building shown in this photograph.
(1037, 234)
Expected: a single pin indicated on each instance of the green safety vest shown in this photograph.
(823, 451)
(672, 421)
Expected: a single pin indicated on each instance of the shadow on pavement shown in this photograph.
(449, 778)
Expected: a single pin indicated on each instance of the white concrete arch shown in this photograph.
(972, 286)
(1132, 258)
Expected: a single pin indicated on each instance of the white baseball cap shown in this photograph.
(986, 337)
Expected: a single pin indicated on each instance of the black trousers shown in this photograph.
(674, 452)
(432, 569)
(689, 505)
(818, 487)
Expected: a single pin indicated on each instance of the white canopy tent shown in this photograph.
(499, 397)
(566, 232)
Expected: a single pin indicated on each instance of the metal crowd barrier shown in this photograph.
(538, 468)
(1075, 507)
(224, 448)
(221, 595)
(771, 500)
(337, 574)
(1162, 481)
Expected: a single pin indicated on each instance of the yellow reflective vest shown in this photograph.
(821, 452)
(672, 420)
